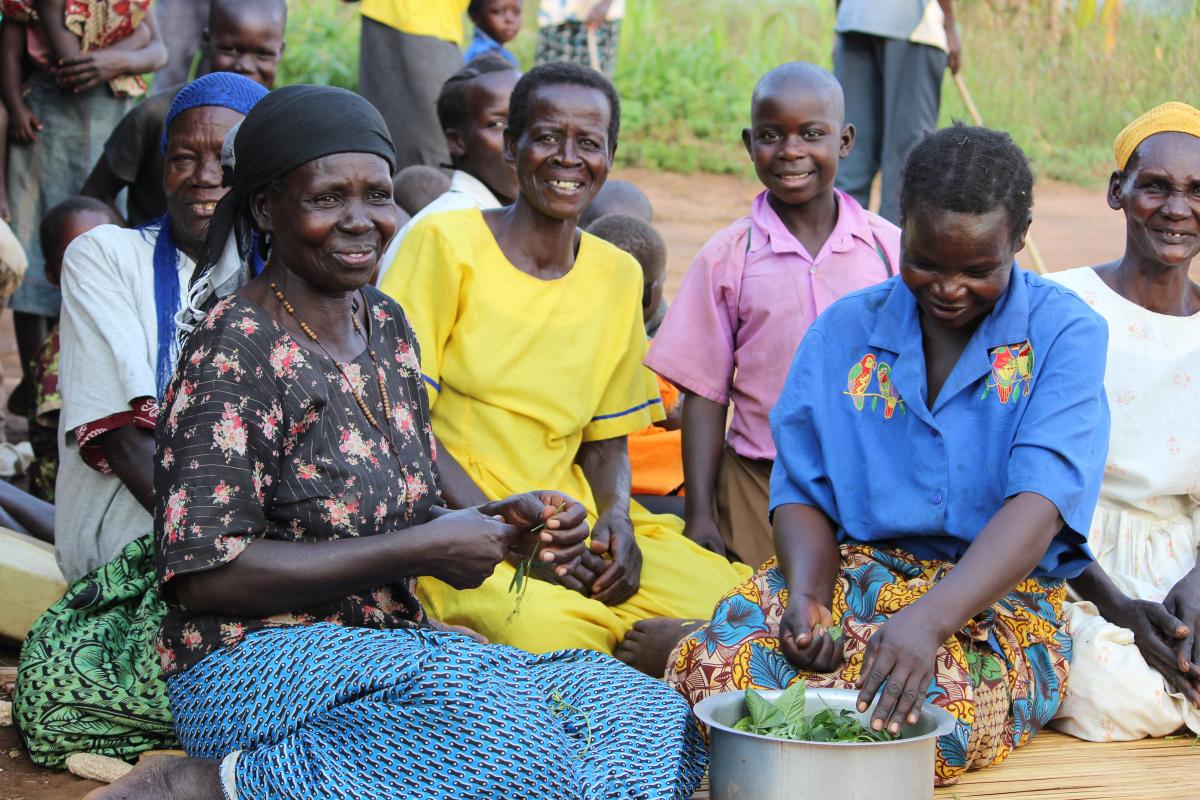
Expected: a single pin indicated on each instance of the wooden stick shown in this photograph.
(1039, 266)
(593, 49)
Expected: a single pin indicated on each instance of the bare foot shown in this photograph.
(648, 646)
(166, 778)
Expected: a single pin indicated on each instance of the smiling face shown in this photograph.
(192, 172)
(795, 139)
(1159, 191)
(478, 148)
(499, 19)
(564, 154)
(330, 219)
(246, 39)
(958, 265)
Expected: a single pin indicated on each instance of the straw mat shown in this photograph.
(1058, 767)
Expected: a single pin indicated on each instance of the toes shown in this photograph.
(626, 655)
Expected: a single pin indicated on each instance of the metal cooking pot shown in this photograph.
(744, 766)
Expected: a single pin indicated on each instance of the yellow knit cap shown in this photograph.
(1167, 118)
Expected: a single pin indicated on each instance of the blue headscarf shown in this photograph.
(215, 89)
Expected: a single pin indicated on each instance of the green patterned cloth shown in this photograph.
(89, 679)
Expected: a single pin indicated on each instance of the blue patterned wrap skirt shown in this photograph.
(323, 711)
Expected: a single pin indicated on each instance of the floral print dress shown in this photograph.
(262, 438)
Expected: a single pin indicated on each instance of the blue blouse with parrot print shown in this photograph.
(1023, 410)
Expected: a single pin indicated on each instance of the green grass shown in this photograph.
(687, 67)
(322, 44)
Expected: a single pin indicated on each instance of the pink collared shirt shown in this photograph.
(747, 301)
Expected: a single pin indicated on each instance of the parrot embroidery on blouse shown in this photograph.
(888, 390)
(860, 379)
(1012, 371)
(858, 385)
(1025, 363)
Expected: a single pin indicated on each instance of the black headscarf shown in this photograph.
(287, 129)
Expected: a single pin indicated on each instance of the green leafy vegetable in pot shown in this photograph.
(786, 719)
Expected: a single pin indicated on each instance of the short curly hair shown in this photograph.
(969, 170)
(636, 237)
(555, 74)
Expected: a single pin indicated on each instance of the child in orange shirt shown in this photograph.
(655, 452)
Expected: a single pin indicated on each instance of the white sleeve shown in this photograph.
(105, 359)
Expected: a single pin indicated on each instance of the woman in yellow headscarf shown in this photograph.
(532, 342)
(1136, 665)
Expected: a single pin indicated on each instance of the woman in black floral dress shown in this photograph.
(297, 503)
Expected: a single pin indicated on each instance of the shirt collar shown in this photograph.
(1009, 321)
(482, 36)
(898, 330)
(767, 228)
(468, 184)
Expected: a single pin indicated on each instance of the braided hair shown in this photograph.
(452, 106)
(969, 170)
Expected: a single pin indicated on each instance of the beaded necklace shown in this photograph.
(362, 403)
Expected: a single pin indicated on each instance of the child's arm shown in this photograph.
(598, 14)
(703, 438)
(22, 125)
(953, 43)
(139, 53)
(63, 43)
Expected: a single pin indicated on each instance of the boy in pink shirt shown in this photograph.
(751, 294)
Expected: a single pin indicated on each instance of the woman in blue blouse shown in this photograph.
(941, 444)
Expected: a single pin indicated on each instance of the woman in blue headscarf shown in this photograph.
(122, 290)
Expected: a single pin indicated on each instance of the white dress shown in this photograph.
(1145, 529)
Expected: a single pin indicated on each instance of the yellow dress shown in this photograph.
(520, 373)
(441, 19)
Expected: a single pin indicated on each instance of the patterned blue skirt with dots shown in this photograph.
(323, 711)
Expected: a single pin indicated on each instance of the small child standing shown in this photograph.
(497, 22)
(655, 452)
(750, 296)
(62, 224)
(67, 71)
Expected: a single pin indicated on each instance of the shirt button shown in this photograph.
(937, 498)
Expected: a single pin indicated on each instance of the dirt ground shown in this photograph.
(1072, 226)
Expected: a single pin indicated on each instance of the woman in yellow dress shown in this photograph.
(532, 342)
